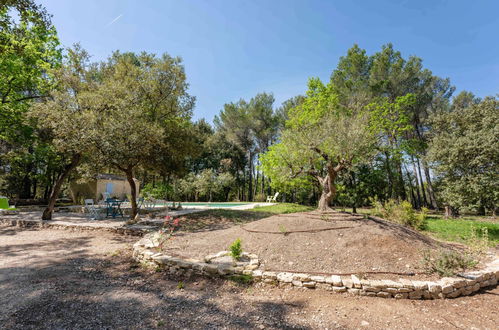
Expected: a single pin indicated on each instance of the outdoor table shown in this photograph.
(113, 207)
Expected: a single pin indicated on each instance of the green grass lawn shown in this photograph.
(460, 230)
(454, 230)
(283, 208)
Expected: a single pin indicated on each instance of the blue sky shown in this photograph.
(236, 49)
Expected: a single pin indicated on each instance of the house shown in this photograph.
(116, 186)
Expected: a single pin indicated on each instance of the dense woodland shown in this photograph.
(383, 127)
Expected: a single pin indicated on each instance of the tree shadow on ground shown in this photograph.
(102, 293)
(218, 219)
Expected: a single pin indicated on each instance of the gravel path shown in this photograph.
(60, 279)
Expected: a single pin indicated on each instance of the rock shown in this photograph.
(384, 294)
(285, 277)
(401, 296)
(297, 283)
(348, 283)
(309, 284)
(420, 285)
(318, 279)
(404, 290)
(354, 291)
(334, 280)
(371, 289)
(269, 275)
(356, 282)
(364, 324)
(415, 294)
(301, 277)
(251, 267)
(447, 289)
(434, 287)
(406, 283)
(339, 289)
(257, 274)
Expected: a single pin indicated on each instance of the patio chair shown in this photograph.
(5, 208)
(272, 199)
(106, 196)
(93, 211)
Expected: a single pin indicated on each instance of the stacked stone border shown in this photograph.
(132, 231)
(146, 251)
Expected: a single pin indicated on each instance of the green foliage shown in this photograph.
(180, 285)
(402, 213)
(208, 185)
(319, 136)
(283, 229)
(465, 152)
(236, 249)
(241, 279)
(29, 51)
(447, 263)
(157, 191)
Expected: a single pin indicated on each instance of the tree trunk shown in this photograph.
(429, 186)
(250, 178)
(418, 196)
(425, 201)
(451, 212)
(400, 182)
(263, 185)
(133, 191)
(47, 213)
(390, 177)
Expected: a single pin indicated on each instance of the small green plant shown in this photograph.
(180, 285)
(447, 262)
(479, 240)
(324, 217)
(160, 323)
(283, 229)
(241, 279)
(236, 249)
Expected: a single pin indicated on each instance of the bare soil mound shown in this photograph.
(313, 242)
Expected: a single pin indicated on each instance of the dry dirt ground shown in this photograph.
(61, 279)
(335, 243)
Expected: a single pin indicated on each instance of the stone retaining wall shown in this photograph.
(145, 251)
(54, 225)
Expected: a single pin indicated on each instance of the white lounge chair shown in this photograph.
(272, 199)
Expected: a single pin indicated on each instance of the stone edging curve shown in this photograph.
(145, 251)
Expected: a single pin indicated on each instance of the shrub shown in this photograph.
(236, 249)
(402, 213)
(447, 262)
(241, 279)
(479, 240)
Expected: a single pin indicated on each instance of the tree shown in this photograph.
(64, 119)
(29, 50)
(464, 149)
(142, 102)
(320, 140)
(235, 123)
